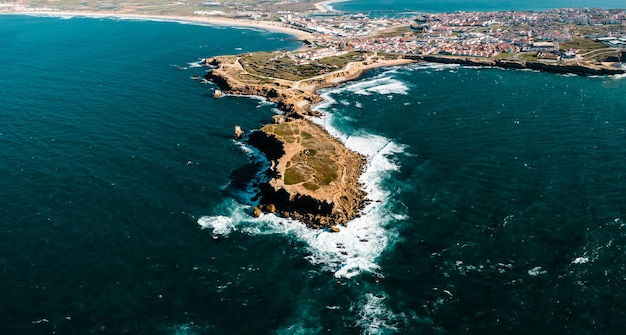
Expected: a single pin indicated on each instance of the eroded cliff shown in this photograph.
(314, 177)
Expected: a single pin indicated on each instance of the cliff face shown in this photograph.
(563, 68)
(314, 177)
(294, 98)
(227, 75)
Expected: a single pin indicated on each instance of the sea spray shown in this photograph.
(355, 248)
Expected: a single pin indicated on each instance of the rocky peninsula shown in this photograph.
(314, 177)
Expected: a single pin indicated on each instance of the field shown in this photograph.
(313, 165)
(161, 7)
(281, 66)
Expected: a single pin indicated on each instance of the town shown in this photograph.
(560, 34)
(565, 35)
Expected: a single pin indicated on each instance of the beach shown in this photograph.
(202, 20)
(326, 6)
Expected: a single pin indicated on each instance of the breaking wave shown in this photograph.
(381, 84)
(355, 249)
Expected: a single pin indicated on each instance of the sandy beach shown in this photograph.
(326, 6)
(205, 20)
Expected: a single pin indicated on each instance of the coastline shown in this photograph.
(581, 69)
(320, 201)
(201, 20)
(326, 6)
(315, 177)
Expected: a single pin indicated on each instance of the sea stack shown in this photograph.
(238, 132)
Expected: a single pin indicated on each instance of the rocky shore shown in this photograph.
(583, 68)
(314, 177)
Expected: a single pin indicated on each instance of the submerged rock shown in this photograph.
(271, 208)
(257, 212)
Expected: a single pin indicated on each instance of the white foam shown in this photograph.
(537, 271)
(374, 317)
(327, 101)
(196, 64)
(353, 250)
(431, 66)
(580, 260)
(619, 76)
(220, 225)
(262, 101)
(381, 84)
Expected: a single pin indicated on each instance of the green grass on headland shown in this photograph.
(314, 165)
(281, 66)
(582, 44)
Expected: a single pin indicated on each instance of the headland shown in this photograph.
(314, 177)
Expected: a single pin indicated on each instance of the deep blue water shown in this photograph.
(498, 195)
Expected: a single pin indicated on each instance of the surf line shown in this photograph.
(315, 177)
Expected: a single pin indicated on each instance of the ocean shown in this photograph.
(497, 195)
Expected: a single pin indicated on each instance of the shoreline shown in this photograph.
(326, 6)
(322, 192)
(581, 69)
(200, 20)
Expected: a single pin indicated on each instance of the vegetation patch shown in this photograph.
(281, 66)
(314, 165)
(283, 129)
(528, 56)
(311, 186)
(297, 174)
(394, 32)
(503, 55)
(583, 44)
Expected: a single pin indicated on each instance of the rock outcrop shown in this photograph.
(583, 68)
(293, 98)
(238, 132)
(314, 178)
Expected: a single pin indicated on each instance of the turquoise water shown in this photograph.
(497, 195)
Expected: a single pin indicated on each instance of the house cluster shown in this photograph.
(480, 34)
(343, 26)
(315, 54)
